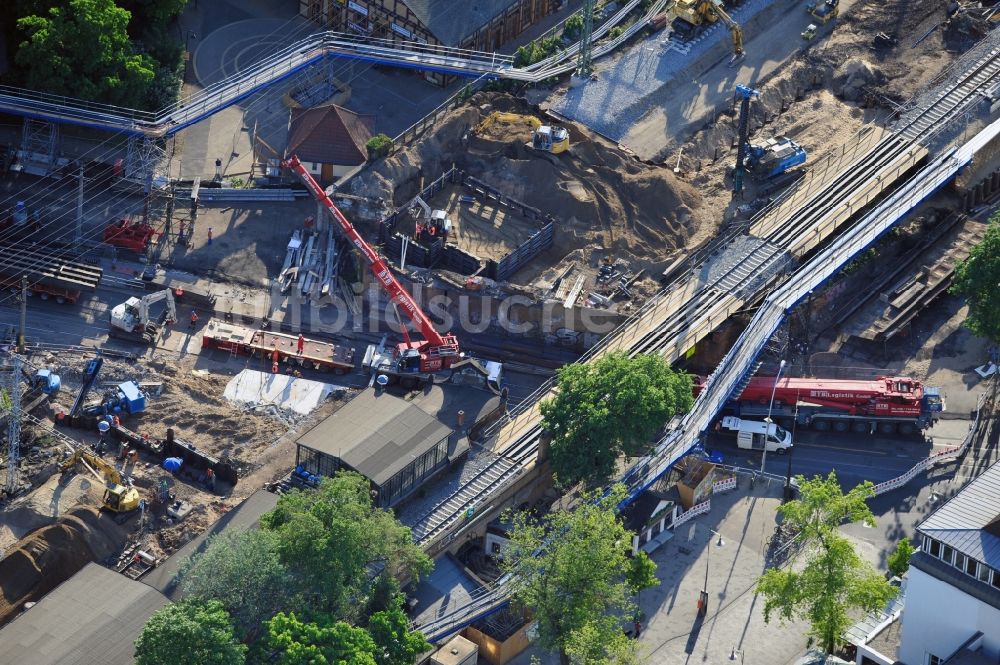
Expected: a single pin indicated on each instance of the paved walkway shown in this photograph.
(672, 632)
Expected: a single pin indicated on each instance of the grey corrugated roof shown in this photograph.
(376, 434)
(93, 618)
(451, 22)
(968, 521)
(165, 577)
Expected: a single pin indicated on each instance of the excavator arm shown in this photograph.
(734, 28)
(436, 344)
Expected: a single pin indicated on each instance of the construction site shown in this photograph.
(172, 360)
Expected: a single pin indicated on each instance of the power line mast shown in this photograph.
(14, 421)
(585, 56)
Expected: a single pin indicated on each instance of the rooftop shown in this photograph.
(452, 22)
(93, 618)
(329, 135)
(970, 520)
(376, 434)
(165, 577)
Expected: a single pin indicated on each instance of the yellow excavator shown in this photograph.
(697, 13)
(117, 497)
(545, 138)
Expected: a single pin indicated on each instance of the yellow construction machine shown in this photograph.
(697, 13)
(545, 138)
(117, 497)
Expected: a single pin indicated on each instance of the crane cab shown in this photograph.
(550, 139)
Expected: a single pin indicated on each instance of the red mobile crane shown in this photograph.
(885, 404)
(436, 351)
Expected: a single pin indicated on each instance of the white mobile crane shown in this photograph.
(132, 319)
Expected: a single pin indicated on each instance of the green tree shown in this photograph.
(610, 408)
(601, 642)
(569, 569)
(834, 580)
(190, 632)
(291, 641)
(899, 560)
(329, 537)
(573, 27)
(81, 48)
(977, 278)
(641, 573)
(243, 571)
(395, 643)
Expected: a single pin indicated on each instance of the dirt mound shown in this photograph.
(598, 194)
(964, 29)
(52, 554)
(852, 77)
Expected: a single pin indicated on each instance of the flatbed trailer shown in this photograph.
(263, 343)
(49, 276)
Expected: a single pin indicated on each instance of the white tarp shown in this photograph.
(259, 389)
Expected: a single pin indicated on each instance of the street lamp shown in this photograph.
(767, 420)
(788, 475)
(703, 599)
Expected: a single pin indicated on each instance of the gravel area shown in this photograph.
(618, 98)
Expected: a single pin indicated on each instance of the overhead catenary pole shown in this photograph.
(584, 59)
(24, 314)
(14, 426)
(78, 236)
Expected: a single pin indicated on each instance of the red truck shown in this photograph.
(262, 343)
(886, 404)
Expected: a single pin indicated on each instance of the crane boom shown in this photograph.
(436, 344)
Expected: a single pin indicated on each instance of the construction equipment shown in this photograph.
(545, 138)
(810, 32)
(435, 352)
(824, 11)
(118, 498)
(433, 224)
(132, 235)
(885, 404)
(90, 372)
(694, 15)
(746, 93)
(774, 157)
(132, 320)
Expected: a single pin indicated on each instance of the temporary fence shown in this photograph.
(699, 509)
(943, 456)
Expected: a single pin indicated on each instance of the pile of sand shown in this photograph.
(52, 554)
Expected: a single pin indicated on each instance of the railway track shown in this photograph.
(681, 314)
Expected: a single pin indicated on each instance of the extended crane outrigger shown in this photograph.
(435, 352)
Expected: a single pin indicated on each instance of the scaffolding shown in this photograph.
(145, 157)
(39, 145)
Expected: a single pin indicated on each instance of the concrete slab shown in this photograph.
(253, 389)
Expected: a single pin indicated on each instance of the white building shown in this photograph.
(952, 590)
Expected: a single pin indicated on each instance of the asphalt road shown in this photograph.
(854, 457)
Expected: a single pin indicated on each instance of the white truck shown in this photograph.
(757, 435)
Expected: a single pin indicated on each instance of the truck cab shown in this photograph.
(757, 435)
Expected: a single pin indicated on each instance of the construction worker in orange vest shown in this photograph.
(194, 320)
(301, 344)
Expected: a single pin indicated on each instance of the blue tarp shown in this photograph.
(173, 464)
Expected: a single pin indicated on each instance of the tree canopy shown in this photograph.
(81, 49)
(126, 53)
(977, 278)
(834, 580)
(243, 571)
(571, 569)
(608, 409)
(328, 537)
(191, 632)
